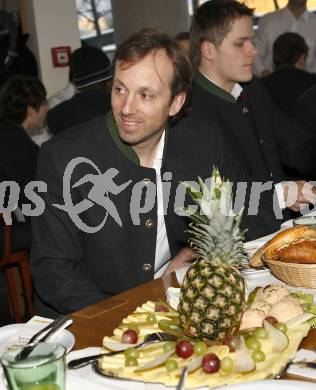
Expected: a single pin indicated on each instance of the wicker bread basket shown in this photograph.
(294, 274)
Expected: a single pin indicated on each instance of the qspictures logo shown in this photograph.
(105, 186)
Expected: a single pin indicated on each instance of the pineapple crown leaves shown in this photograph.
(214, 228)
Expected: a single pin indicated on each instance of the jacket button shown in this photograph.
(149, 223)
(245, 110)
(146, 267)
(261, 141)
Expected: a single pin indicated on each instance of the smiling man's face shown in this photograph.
(141, 99)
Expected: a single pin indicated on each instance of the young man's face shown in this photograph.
(141, 99)
(233, 59)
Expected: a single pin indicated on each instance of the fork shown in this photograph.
(52, 327)
(180, 385)
(156, 337)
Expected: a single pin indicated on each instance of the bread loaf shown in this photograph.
(295, 245)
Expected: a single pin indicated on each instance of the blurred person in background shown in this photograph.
(183, 38)
(23, 109)
(289, 79)
(91, 72)
(293, 18)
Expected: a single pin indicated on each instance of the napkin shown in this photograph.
(23, 334)
(303, 354)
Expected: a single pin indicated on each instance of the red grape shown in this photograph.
(184, 349)
(210, 363)
(271, 319)
(232, 342)
(161, 308)
(129, 336)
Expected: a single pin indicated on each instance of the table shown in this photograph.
(94, 322)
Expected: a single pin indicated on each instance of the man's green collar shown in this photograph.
(124, 147)
(212, 88)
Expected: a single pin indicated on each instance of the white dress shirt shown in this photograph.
(162, 256)
(276, 23)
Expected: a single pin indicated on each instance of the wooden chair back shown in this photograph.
(12, 262)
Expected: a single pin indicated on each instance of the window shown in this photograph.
(95, 24)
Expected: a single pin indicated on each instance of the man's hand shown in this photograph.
(185, 257)
(298, 194)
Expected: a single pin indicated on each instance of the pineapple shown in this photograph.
(212, 297)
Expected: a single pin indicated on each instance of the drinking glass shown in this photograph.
(35, 367)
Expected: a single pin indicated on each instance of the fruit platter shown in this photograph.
(262, 347)
(222, 334)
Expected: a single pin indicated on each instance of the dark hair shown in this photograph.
(288, 48)
(182, 36)
(212, 22)
(17, 94)
(148, 41)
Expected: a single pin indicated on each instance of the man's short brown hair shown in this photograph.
(148, 41)
(212, 22)
(288, 48)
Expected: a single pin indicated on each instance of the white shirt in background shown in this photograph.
(63, 94)
(272, 25)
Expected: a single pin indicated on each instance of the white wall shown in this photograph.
(170, 16)
(52, 23)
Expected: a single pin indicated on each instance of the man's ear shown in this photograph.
(30, 111)
(300, 63)
(208, 50)
(177, 103)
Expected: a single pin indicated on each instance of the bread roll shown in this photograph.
(301, 252)
(284, 239)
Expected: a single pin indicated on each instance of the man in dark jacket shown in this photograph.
(23, 109)
(103, 230)
(229, 104)
(289, 79)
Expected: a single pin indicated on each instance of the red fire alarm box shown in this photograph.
(61, 55)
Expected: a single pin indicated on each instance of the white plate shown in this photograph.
(279, 384)
(63, 336)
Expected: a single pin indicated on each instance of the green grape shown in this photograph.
(131, 353)
(246, 333)
(227, 365)
(306, 307)
(200, 348)
(151, 318)
(258, 356)
(130, 362)
(170, 327)
(261, 333)
(171, 365)
(281, 326)
(169, 346)
(253, 344)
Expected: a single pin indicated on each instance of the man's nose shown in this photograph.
(253, 50)
(129, 105)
